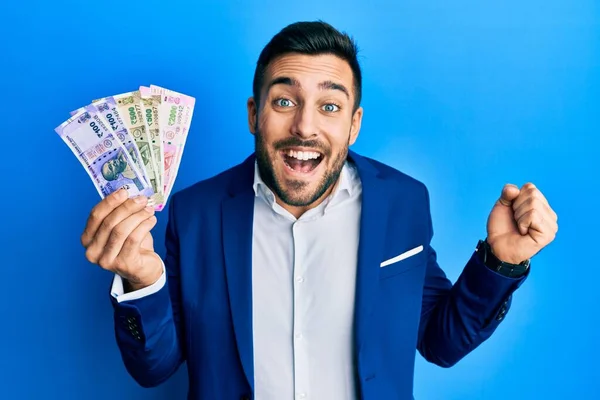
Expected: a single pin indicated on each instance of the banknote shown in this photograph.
(130, 110)
(133, 140)
(108, 111)
(171, 114)
(188, 111)
(108, 163)
(150, 108)
(175, 116)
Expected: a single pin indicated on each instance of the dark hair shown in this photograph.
(311, 38)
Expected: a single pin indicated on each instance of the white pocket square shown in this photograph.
(402, 256)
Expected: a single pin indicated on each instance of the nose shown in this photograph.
(305, 123)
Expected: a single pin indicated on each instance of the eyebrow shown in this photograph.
(325, 85)
(330, 85)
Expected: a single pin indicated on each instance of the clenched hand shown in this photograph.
(521, 223)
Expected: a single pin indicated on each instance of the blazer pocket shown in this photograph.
(402, 262)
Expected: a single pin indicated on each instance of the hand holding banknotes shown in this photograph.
(131, 146)
(117, 237)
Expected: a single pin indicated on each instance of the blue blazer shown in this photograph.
(203, 316)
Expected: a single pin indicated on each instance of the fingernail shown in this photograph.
(150, 209)
(120, 194)
(141, 199)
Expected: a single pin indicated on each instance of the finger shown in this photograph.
(550, 226)
(119, 214)
(532, 220)
(545, 230)
(133, 243)
(99, 212)
(120, 235)
(547, 226)
(531, 203)
(529, 190)
(508, 194)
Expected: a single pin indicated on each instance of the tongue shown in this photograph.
(301, 165)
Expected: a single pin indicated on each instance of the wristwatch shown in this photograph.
(495, 264)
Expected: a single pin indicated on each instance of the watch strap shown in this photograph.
(490, 260)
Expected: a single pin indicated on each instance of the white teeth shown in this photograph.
(303, 155)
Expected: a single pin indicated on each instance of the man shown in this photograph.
(306, 271)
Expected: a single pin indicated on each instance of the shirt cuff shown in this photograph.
(118, 292)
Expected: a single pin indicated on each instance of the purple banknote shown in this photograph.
(107, 108)
(108, 162)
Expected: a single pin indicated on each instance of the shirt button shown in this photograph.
(299, 279)
(298, 336)
(301, 395)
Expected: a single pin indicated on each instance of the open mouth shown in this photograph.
(302, 161)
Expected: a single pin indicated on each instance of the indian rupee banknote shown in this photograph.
(130, 109)
(110, 116)
(175, 116)
(108, 163)
(150, 108)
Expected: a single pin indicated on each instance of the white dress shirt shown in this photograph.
(303, 285)
(303, 288)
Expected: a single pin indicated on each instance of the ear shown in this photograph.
(252, 115)
(355, 127)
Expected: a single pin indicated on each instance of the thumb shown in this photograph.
(509, 193)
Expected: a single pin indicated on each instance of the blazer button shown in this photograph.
(501, 314)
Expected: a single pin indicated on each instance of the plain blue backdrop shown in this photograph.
(464, 95)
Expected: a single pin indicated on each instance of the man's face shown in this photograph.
(304, 125)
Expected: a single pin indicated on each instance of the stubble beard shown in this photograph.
(294, 195)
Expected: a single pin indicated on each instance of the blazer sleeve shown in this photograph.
(455, 319)
(148, 329)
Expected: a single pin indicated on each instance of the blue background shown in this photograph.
(464, 95)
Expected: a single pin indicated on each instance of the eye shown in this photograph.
(284, 103)
(331, 107)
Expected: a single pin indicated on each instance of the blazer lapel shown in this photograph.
(237, 219)
(373, 226)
